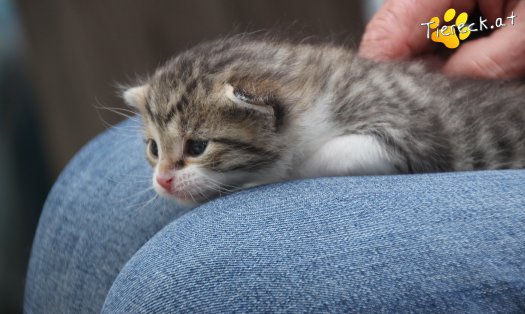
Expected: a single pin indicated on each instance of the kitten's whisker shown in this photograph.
(214, 184)
(206, 185)
(136, 176)
(199, 190)
(219, 191)
(191, 195)
(224, 187)
(127, 129)
(134, 205)
(106, 124)
(144, 191)
(131, 132)
(150, 201)
(135, 196)
(218, 187)
(220, 183)
(129, 114)
(117, 111)
(133, 113)
(135, 180)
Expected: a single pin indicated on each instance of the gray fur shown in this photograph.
(427, 122)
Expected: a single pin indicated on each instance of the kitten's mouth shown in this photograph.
(191, 191)
(184, 197)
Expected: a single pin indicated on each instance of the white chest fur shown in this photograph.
(348, 155)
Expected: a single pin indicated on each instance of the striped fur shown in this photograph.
(300, 100)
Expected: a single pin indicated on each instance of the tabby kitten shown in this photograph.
(240, 112)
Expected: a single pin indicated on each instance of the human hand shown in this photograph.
(395, 33)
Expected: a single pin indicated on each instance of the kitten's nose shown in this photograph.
(165, 183)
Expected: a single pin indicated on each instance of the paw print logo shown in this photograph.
(452, 35)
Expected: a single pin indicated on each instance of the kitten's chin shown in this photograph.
(184, 198)
(186, 202)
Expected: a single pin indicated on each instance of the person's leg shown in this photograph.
(451, 243)
(99, 213)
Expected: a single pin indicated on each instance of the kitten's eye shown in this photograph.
(242, 95)
(195, 148)
(153, 148)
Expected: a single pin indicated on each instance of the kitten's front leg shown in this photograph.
(348, 155)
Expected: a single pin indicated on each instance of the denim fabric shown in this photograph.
(424, 243)
(450, 243)
(99, 213)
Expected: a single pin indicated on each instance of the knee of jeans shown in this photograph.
(285, 247)
(224, 256)
(269, 249)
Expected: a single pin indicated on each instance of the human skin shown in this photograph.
(395, 33)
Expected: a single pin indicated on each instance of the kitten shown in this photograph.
(241, 111)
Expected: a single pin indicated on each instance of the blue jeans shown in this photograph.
(450, 242)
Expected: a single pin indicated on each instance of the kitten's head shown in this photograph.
(213, 122)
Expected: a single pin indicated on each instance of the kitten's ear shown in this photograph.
(136, 96)
(242, 99)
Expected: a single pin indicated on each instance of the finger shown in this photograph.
(498, 56)
(510, 6)
(395, 32)
(491, 9)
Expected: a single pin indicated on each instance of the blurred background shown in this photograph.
(61, 59)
